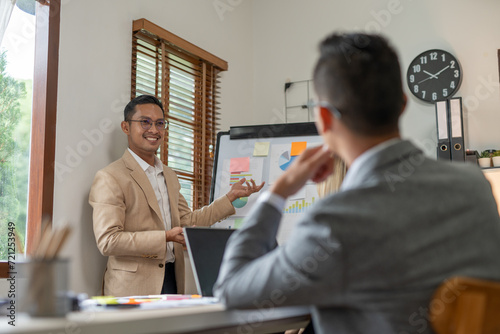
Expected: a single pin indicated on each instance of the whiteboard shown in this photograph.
(262, 153)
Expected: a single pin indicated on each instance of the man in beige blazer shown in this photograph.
(139, 212)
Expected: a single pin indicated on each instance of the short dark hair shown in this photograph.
(129, 110)
(359, 74)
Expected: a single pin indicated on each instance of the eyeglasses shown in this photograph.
(147, 123)
(336, 113)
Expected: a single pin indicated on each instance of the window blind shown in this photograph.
(185, 79)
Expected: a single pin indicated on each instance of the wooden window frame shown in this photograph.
(165, 43)
(143, 24)
(43, 124)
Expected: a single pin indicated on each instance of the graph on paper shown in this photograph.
(230, 176)
(263, 154)
(299, 206)
(285, 160)
(294, 208)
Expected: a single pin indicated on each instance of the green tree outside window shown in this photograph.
(11, 92)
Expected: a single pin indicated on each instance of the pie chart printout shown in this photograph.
(285, 160)
(240, 202)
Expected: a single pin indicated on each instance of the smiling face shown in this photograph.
(142, 142)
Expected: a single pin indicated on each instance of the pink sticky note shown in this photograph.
(239, 165)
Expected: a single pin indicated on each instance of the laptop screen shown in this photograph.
(206, 248)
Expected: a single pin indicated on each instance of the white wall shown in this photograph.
(265, 42)
(287, 33)
(94, 86)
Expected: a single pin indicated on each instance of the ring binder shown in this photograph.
(456, 129)
(443, 148)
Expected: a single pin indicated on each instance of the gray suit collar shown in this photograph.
(402, 152)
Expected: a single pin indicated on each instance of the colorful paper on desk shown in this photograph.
(298, 147)
(261, 149)
(160, 301)
(180, 303)
(105, 300)
(239, 164)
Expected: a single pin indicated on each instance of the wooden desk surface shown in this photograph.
(193, 319)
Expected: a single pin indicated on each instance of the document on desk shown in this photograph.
(147, 302)
(179, 303)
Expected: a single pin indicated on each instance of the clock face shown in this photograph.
(434, 75)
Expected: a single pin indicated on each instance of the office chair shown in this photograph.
(463, 305)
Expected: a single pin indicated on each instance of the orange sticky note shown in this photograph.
(239, 165)
(298, 147)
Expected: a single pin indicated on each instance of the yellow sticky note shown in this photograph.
(298, 147)
(261, 149)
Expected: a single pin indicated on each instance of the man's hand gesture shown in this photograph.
(240, 190)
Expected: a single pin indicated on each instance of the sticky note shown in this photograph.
(239, 165)
(298, 147)
(261, 149)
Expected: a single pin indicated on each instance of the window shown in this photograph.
(16, 79)
(185, 79)
(43, 119)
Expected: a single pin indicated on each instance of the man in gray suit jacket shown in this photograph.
(369, 257)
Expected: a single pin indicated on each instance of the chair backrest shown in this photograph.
(463, 305)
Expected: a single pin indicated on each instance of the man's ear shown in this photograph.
(405, 101)
(125, 127)
(325, 119)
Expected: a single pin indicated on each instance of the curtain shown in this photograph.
(6, 7)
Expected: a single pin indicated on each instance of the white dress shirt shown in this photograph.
(157, 180)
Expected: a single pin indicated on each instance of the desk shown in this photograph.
(208, 319)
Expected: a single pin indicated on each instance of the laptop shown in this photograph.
(206, 247)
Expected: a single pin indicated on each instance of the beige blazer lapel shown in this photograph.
(142, 180)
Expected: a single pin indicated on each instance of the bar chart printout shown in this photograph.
(295, 208)
(299, 206)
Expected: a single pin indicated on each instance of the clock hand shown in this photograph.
(431, 75)
(441, 70)
(425, 80)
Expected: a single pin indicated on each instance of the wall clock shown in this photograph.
(434, 75)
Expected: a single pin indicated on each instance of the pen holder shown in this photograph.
(43, 288)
